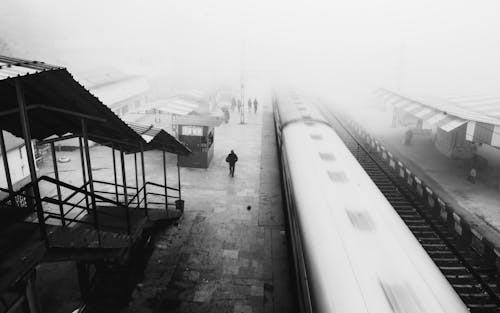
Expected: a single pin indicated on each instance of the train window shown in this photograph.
(337, 176)
(316, 136)
(326, 156)
(361, 220)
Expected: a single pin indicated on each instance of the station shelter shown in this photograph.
(91, 224)
(197, 133)
(459, 124)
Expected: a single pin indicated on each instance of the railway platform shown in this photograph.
(473, 204)
(229, 251)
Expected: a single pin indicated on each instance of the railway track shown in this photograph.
(475, 279)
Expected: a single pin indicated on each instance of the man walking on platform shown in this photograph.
(231, 158)
(249, 105)
(255, 105)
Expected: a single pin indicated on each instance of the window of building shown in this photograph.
(192, 130)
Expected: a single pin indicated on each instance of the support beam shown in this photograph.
(5, 162)
(179, 177)
(165, 180)
(31, 160)
(91, 181)
(84, 175)
(136, 179)
(114, 173)
(56, 176)
(144, 181)
(124, 178)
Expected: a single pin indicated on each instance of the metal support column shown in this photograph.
(56, 176)
(136, 179)
(31, 160)
(5, 162)
(165, 180)
(114, 173)
(91, 180)
(144, 181)
(179, 177)
(84, 176)
(124, 177)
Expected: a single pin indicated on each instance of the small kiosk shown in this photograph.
(197, 133)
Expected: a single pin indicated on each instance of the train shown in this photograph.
(351, 251)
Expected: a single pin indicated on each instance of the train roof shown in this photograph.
(293, 107)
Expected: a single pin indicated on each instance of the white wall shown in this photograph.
(18, 166)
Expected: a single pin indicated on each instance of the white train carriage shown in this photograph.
(352, 252)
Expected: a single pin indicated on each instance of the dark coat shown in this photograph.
(232, 158)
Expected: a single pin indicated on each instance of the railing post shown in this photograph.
(136, 179)
(165, 180)
(31, 161)
(91, 181)
(56, 176)
(125, 195)
(179, 177)
(84, 176)
(143, 181)
(114, 173)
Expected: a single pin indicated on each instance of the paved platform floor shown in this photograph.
(478, 203)
(228, 253)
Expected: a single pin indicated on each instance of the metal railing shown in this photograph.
(71, 210)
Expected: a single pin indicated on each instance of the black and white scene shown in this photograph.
(262, 156)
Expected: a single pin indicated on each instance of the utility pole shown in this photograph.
(242, 83)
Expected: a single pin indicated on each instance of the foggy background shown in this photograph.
(342, 50)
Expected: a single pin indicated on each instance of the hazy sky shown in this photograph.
(350, 47)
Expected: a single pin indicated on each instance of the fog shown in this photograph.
(343, 50)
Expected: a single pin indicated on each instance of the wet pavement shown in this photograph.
(229, 252)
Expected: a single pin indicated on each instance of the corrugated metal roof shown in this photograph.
(115, 92)
(50, 93)
(12, 67)
(481, 113)
(159, 139)
(172, 106)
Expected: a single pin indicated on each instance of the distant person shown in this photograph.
(239, 106)
(226, 115)
(255, 105)
(249, 105)
(472, 175)
(233, 104)
(231, 158)
(408, 137)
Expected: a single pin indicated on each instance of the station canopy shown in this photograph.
(159, 139)
(56, 105)
(480, 113)
(174, 105)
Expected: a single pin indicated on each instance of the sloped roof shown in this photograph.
(159, 139)
(56, 105)
(481, 114)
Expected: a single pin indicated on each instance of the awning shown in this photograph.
(172, 106)
(56, 105)
(481, 113)
(159, 139)
(483, 133)
(425, 113)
